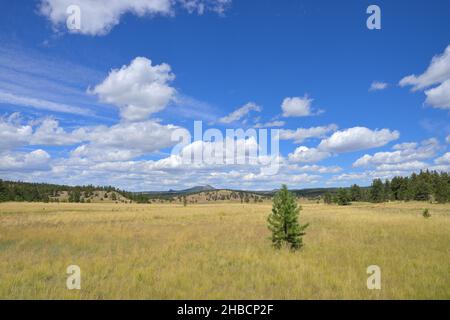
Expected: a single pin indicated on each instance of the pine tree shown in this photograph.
(377, 191)
(3, 192)
(396, 187)
(283, 221)
(342, 197)
(387, 191)
(327, 198)
(442, 193)
(422, 190)
(355, 193)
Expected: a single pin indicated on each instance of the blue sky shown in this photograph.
(308, 65)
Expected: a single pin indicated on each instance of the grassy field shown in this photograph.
(221, 251)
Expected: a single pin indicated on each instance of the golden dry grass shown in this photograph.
(221, 251)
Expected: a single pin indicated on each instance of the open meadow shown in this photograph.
(222, 251)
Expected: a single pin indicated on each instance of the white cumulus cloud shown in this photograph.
(47, 132)
(405, 152)
(138, 89)
(438, 71)
(357, 138)
(298, 107)
(308, 155)
(13, 133)
(302, 134)
(439, 97)
(99, 17)
(36, 160)
(445, 159)
(438, 75)
(125, 141)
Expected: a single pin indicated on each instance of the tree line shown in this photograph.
(425, 186)
(43, 192)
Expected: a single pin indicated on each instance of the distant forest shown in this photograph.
(425, 186)
(43, 192)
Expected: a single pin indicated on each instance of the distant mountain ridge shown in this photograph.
(195, 189)
(312, 192)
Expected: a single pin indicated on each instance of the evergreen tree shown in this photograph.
(396, 188)
(343, 198)
(355, 193)
(387, 191)
(283, 221)
(3, 192)
(421, 190)
(442, 189)
(327, 198)
(377, 191)
(404, 192)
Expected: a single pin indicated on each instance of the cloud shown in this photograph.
(438, 75)
(49, 133)
(98, 19)
(123, 141)
(404, 160)
(138, 90)
(439, 97)
(35, 160)
(317, 169)
(200, 6)
(388, 171)
(46, 132)
(95, 153)
(126, 141)
(377, 86)
(308, 155)
(32, 81)
(302, 134)
(438, 71)
(357, 138)
(448, 139)
(173, 171)
(12, 133)
(445, 159)
(405, 152)
(271, 124)
(350, 176)
(298, 107)
(240, 113)
(9, 98)
(406, 166)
